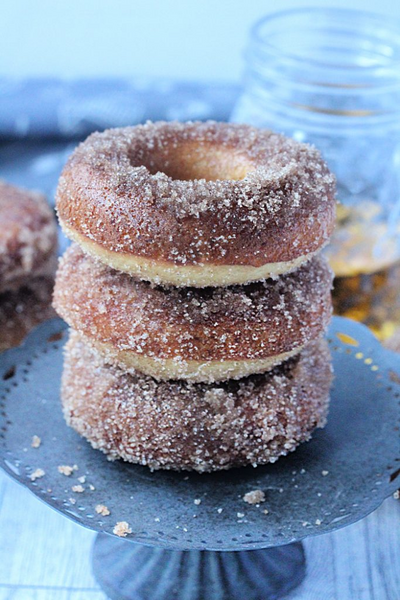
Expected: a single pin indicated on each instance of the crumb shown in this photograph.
(254, 497)
(122, 529)
(302, 471)
(91, 487)
(396, 495)
(266, 511)
(82, 479)
(325, 473)
(36, 441)
(157, 519)
(318, 521)
(240, 515)
(305, 523)
(37, 474)
(67, 470)
(219, 510)
(197, 501)
(78, 489)
(102, 510)
(72, 500)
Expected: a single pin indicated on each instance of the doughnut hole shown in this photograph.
(188, 162)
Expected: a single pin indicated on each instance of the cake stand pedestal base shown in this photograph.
(127, 571)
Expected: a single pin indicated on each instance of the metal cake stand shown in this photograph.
(194, 536)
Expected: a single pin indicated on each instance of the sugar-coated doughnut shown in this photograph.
(28, 237)
(178, 425)
(197, 204)
(21, 310)
(196, 334)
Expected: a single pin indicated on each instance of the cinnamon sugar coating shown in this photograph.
(241, 323)
(196, 194)
(176, 425)
(28, 237)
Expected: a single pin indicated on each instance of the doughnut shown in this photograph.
(21, 310)
(197, 204)
(195, 334)
(202, 427)
(28, 237)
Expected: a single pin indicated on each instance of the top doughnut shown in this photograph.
(199, 204)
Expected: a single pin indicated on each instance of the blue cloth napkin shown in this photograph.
(51, 108)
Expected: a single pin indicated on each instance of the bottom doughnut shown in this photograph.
(202, 427)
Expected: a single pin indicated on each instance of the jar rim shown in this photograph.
(391, 26)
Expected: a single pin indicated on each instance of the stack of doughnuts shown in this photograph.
(28, 238)
(28, 261)
(196, 293)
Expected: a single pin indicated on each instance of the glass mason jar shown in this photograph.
(331, 77)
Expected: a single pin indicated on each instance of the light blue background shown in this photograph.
(184, 39)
